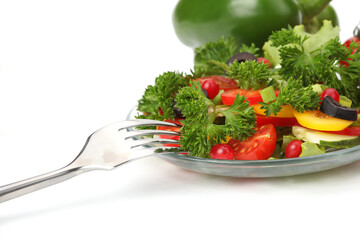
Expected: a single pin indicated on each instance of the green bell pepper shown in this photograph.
(316, 22)
(248, 21)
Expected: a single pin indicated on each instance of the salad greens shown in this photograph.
(304, 66)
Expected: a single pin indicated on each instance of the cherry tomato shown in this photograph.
(222, 151)
(286, 111)
(223, 82)
(276, 121)
(355, 39)
(264, 60)
(320, 121)
(352, 39)
(211, 87)
(293, 149)
(331, 92)
(253, 96)
(260, 146)
(174, 129)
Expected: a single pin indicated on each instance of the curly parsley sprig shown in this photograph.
(294, 94)
(250, 49)
(199, 132)
(316, 58)
(220, 51)
(249, 74)
(161, 95)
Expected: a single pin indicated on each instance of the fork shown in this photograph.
(105, 149)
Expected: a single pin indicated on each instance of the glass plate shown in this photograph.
(262, 168)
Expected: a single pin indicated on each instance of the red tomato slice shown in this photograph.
(276, 121)
(223, 82)
(174, 129)
(260, 146)
(253, 96)
(349, 131)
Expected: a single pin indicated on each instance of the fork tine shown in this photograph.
(147, 122)
(140, 133)
(139, 153)
(152, 141)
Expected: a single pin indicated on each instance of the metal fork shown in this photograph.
(105, 149)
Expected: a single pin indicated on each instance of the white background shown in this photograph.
(69, 67)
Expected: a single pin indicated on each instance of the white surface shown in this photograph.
(70, 67)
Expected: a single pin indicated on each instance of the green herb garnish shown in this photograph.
(199, 132)
(293, 93)
(313, 58)
(161, 95)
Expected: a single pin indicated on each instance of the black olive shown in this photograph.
(219, 120)
(241, 57)
(334, 109)
(177, 111)
(205, 93)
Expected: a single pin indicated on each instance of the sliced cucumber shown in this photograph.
(325, 139)
(342, 144)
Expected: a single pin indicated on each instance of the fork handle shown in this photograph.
(29, 185)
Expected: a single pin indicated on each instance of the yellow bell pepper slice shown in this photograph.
(286, 111)
(320, 121)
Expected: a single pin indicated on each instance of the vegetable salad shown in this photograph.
(297, 96)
